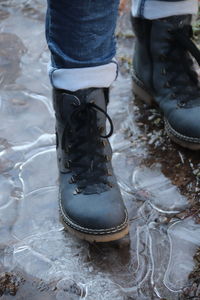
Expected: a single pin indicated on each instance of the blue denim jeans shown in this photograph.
(80, 36)
(80, 33)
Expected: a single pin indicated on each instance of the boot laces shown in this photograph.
(85, 143)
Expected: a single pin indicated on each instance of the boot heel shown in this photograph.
(142, 94)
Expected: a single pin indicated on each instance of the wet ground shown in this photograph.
(160, 183)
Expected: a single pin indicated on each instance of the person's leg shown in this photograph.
(163, 70)
(80, 36)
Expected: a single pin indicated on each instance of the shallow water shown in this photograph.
(159, 182)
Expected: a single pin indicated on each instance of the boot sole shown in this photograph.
(143, 94)
(100, 237)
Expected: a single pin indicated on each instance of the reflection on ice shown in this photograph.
(27, 127)
(184, 239)
(38, 213)
(162, 194)
(43, 163)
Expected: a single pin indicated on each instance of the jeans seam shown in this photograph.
(141, 9)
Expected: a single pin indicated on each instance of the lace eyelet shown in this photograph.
(167, 85)
(101, 129)
(163, 71)
(67, 165)
(77, 191)
(107, 158)
(72, 180)
(108, 173)
(76, 102)
(182, 103)
(110, 185)
(103, 143)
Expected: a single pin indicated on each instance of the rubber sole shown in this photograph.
(95, 238)
(99, 237)
(143, 94)
(183, 141)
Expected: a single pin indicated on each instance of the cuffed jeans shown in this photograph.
(156, 9)
(80, 36)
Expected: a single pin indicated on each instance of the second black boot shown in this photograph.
(91, 204)
(164, 74)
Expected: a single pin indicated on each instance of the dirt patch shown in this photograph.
(9, 283)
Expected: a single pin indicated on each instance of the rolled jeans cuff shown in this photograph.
(153, 9)
(81, 78)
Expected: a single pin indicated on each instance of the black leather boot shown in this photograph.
(163, 73)
(91, 204)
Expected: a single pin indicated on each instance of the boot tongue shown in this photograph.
(85, 113)
(79, 97)
(178, 21)
(66, 105)
(95, 189)
(91, 95)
